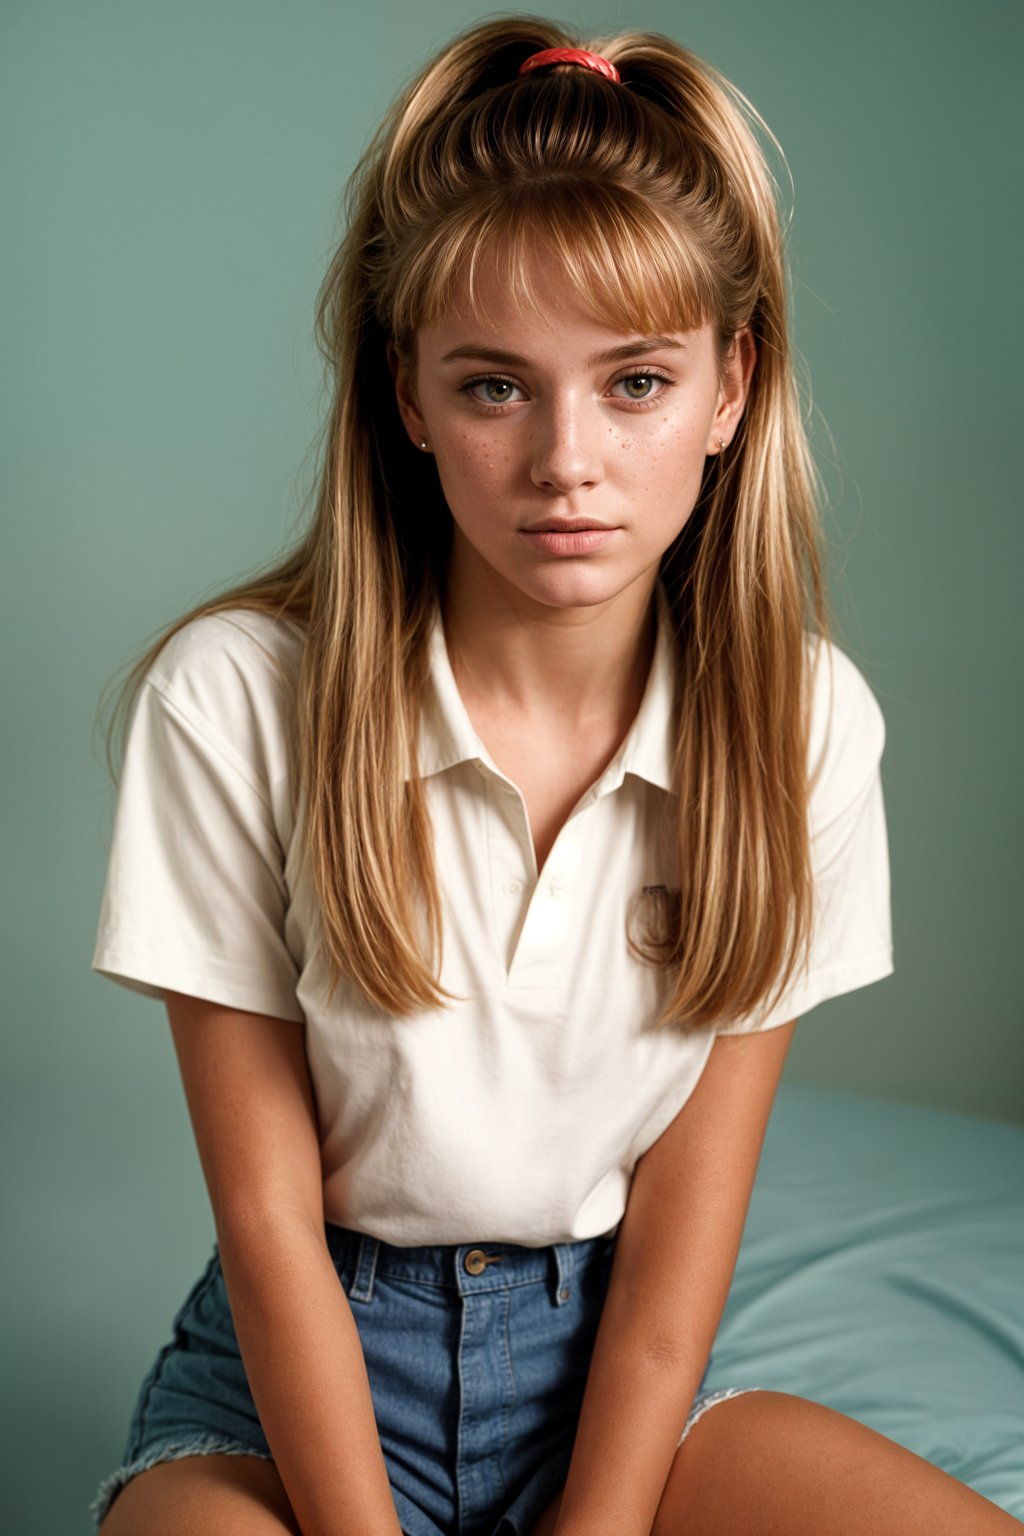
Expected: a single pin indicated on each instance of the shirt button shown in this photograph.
(513, 887)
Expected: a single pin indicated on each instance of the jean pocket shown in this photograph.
(185, 1310)
(205, 1315)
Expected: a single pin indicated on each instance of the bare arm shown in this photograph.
(674, 1263)
(250, 1099)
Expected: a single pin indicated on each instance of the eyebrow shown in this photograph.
(613, 355)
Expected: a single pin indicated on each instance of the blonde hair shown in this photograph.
(657, 200)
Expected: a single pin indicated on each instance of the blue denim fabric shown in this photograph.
(477, 1378)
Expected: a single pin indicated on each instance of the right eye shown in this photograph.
(492, 390)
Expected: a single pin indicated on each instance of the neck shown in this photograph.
(541, 662)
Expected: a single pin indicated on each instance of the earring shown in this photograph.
(721, 445)
(423, 443)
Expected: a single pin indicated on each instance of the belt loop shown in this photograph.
(562, 1257)
(361, 1288)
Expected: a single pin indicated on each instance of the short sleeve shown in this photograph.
(851, 939)
(195, 898)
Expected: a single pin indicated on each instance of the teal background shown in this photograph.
(171, 185)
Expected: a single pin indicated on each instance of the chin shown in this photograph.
(577, 589)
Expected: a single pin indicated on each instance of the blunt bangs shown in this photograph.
(632, 262)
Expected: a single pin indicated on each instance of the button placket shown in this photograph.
(510, 861)
(546, 922)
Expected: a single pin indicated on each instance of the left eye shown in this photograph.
(639, 386)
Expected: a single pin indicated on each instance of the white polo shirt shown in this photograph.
(517, 1113)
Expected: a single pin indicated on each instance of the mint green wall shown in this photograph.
(170, 188)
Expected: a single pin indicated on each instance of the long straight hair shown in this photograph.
(657, 200)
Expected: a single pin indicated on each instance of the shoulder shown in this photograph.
(847, 730)
(234, 648)
(230, 678)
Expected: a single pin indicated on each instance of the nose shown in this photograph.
(566, 447)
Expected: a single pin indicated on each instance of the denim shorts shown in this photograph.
(477, 1356)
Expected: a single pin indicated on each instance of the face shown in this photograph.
(570, 453)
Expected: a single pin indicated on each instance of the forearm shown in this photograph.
(304, 1360)
(674, 1261)
(634, 1408)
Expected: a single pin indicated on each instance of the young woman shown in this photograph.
(487, 849)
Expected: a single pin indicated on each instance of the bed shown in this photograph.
(882, 1273)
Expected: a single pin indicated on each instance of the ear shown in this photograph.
(405, 395)
(737, 372)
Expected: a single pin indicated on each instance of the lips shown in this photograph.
(577, 538)
(569, 525)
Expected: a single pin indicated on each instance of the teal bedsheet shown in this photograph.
(882, 1273)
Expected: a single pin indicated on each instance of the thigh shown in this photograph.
(770, 1462)
(232, 1495)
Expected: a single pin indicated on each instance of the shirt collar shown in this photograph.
(447, 736)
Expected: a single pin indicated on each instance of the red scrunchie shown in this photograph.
(571, 56)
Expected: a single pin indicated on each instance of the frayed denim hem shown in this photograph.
(218, 1445)
(708, 1400)
(174, 1450)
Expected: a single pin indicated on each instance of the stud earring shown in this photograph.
(423, 443)
(721, 445)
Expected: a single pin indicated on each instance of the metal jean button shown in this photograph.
(476, 1261)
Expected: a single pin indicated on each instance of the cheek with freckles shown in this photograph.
(471, 470)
